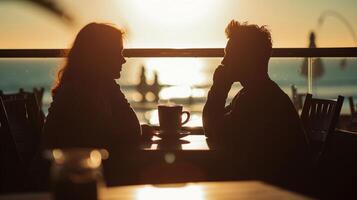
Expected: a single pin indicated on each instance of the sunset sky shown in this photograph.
(177, 23)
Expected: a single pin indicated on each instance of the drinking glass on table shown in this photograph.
(77, 173)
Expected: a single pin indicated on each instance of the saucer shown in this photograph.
(177, 135)
(170, 142)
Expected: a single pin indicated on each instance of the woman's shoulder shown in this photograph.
(76, 96)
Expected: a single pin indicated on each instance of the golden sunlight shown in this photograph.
(177, 71)
(173, 11)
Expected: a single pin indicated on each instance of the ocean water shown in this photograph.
(184, 78)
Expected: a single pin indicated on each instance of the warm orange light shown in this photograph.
(173, 11)
(177, 71)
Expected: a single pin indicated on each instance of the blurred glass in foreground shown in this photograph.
(77, 173)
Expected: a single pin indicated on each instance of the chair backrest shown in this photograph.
(37, 92)
(31, 98)
(320, 117)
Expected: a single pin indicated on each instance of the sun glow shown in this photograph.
(173, 11)
(171, 23)
(177, 71)
(175, 92)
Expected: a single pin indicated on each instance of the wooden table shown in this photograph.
(160, 161)
(182, 161)
(196, 191)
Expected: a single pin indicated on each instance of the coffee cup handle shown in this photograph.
(187, 118)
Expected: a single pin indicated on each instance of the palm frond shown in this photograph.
(51, 6)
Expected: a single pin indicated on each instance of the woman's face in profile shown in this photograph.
(117, 61)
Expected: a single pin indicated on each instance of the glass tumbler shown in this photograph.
(77, 173)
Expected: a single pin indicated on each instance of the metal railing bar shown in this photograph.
(196, 52)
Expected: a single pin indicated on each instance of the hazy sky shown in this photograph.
(177, 23)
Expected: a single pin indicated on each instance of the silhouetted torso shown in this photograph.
(85, 116)
(260, 129)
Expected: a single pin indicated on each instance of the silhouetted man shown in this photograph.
(260, 129)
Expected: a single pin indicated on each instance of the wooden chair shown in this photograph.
(35, 99)
(37, 92)
(320, 117)
(24, 121)
(11, 167)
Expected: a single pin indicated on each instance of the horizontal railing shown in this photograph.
(197, 52)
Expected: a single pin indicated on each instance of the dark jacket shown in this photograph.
(85, 116)
(260, 131)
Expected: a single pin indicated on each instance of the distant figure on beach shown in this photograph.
(260, 129)
(156, 87)
(143, 87)
(318, 70)
(89, 108)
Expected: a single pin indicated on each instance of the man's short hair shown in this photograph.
(254, 39)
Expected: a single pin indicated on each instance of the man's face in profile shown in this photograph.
(234, 61)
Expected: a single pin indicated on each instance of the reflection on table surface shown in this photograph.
(196, 191)
(190, 142)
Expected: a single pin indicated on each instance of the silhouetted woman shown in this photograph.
(88, 108)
